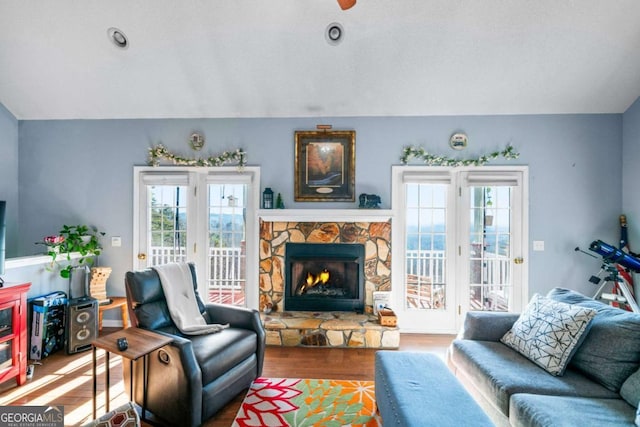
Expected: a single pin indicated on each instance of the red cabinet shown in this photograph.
(13, 332)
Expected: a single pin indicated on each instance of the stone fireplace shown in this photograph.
(374, 237)
(324, 277)
(328, 325)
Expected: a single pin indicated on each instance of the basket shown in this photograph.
(387, 317)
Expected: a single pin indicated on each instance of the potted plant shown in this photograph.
(82, 239)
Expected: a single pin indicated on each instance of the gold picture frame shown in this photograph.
(325, 166)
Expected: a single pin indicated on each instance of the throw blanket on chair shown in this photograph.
(177, 284)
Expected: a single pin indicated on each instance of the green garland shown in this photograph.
(160, 152)
(431, 160)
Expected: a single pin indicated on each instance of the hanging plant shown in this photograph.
(419, 153)
(160, 152)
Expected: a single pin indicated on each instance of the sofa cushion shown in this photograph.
(542, 411)
(630, 389)
(498, 372)
(548, 332)
(218, 353)
(610, 352)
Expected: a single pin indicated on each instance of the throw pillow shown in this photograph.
(630, 390)
(123, 416)
(611, 351)
(548, 332)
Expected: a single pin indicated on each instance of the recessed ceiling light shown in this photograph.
(334, 33)
(118, 38)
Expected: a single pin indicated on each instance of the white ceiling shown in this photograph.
(259, 58)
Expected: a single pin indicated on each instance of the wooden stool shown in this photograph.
(115, 302)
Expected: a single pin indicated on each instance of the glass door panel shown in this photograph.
(227, 243)
(426, 259)
(490, 248)
(167, 224)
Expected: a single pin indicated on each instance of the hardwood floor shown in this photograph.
(67, 380)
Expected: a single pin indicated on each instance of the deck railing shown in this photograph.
(226, 264)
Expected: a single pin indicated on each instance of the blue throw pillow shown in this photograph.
(611, 351)
(548, 332)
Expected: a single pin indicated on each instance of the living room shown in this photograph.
(77, 115)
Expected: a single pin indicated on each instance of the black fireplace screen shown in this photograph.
(324, 277)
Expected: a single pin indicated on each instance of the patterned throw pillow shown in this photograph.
(548, 332)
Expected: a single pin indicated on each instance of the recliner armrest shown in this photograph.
(237, 317)
(486, 326)
(240, 317)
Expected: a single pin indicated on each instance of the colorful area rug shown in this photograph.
(293, 402)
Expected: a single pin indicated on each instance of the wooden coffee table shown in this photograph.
(141, 343)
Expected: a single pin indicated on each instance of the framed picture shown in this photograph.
(325, 166)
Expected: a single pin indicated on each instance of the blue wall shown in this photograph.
(631, 172)
(80, 171)
(9, 176)
(631, 177)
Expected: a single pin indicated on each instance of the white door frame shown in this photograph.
(398, 244)
(197, 178)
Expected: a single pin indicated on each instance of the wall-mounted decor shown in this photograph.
(159, 152)
(458, 141)
(325, 164)
(432, 160)
(196, 141)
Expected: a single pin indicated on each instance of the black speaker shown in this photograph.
(82, 324)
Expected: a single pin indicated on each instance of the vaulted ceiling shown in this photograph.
(258, 58)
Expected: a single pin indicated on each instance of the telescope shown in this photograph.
(611, 254)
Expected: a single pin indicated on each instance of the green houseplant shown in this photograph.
(81, 239)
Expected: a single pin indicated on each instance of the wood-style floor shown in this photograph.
(67, 380)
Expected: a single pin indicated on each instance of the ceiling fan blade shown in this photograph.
(346, 4)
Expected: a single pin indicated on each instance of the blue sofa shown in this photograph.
(600, 387)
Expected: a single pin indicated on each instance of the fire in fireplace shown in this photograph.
(324, 277)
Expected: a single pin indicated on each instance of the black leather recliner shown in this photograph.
(190, 379)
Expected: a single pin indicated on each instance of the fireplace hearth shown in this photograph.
(324, 277)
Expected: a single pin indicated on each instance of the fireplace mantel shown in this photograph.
(325, 215)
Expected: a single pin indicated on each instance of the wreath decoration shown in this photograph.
(432, 160)
(160, 152)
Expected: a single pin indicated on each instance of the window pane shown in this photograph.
(166, 211)
(490, 239)
(227, 256)
(425, 246)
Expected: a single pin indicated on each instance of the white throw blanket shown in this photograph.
(177, 284)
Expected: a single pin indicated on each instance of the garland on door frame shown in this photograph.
(160, 152)
(432, 160)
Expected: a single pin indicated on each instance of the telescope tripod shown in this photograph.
(612, 279)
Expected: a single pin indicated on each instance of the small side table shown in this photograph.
(141, 343)
(115, 303)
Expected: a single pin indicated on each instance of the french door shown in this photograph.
(205, 216)
(459, 244)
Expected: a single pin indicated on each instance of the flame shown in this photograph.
(324, 276)
(313, 280)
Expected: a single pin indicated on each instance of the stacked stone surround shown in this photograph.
(328, 329)
(375, 236)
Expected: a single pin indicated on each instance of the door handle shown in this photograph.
(518, 260)
(142, 256)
